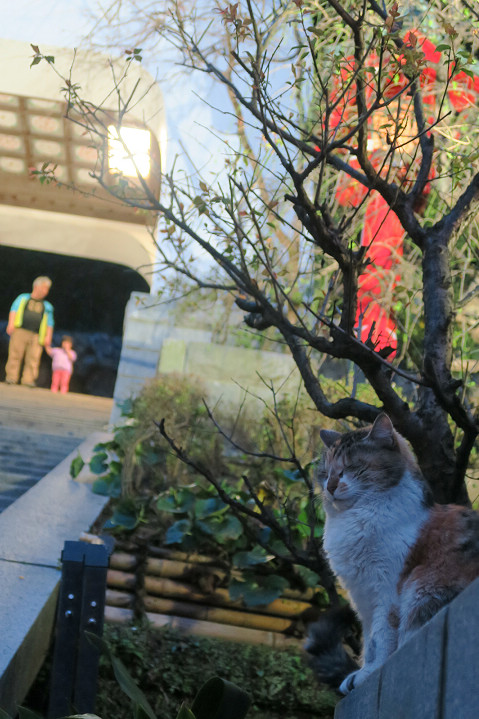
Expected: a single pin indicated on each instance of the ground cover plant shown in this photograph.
(170, 669)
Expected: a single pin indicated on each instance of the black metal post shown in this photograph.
(81, 606)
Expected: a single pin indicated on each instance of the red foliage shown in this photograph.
(383, 234)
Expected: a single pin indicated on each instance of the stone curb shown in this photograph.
(32, 533)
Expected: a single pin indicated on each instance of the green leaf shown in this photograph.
(6, 715)
(264, 535)
(108, 486)
(115, 468)
(168, 504)
(101, 446)
(229, 528)
(209, 507)
(126, 407)
(185, 713)
(98, 465)
(293, 475)
(177, 531)
(177, 501)
(122, 518)
(76, 466)
(278, 546)
(257, 591)
(236, 589)
(125, 681)
(220, 699)
(24, 713)
(249, 559)
(140, 713)
(310, 578)
(130, 688)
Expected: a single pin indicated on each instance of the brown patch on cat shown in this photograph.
(446, 553)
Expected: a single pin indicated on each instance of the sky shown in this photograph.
(58, 22)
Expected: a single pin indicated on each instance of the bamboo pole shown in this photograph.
(173, 568)
(216, 614)
(123, 560)
(168, 588)
(118, 615)
(89, 538)
(221, 631)
(163, 553)
(123, 580)
(304, 596)
(115, 598)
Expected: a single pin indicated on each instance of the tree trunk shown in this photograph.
(435, 452)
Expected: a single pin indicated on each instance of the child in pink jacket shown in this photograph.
(62, 364)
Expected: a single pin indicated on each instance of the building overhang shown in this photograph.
(73, 214)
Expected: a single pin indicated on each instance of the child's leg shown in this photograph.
(55, 380)
(64, 381)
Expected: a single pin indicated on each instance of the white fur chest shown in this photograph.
(367, 543)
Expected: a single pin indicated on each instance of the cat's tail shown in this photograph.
(327, 642)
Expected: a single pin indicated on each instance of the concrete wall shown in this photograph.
(155, 341)
(433, 676)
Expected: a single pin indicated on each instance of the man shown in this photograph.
(30, 326)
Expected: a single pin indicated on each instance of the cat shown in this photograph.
(399, 556)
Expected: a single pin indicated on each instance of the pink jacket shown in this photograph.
(60, 359)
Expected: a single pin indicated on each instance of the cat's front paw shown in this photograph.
(353, 680)
(348, 684)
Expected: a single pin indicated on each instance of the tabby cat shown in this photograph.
(399, 556)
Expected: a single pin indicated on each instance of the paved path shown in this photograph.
(38, 429)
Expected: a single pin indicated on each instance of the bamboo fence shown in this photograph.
(178, 590)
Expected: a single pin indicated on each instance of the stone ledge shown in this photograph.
(32, 534)
(432, 676)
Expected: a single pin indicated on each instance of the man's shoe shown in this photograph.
(10, 381)
(28, 384)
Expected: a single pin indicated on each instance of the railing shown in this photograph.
(435, 675)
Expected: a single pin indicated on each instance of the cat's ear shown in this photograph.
(329, 436)
(383, 431)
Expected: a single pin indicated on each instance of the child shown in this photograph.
(62, 364)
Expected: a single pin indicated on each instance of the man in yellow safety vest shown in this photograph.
(30, 326)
